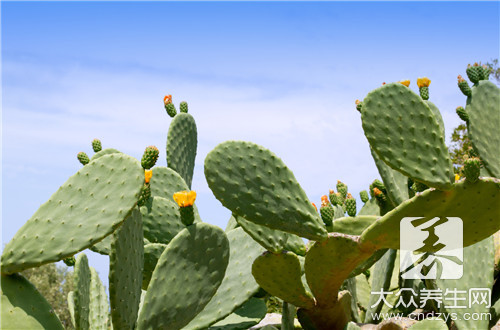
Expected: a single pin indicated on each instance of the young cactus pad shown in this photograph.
(475, 204)
(187, 275)
(254, 183)
(405, 133)
(484, 122)
(85, 209)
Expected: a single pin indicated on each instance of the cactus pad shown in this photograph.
(98, 307)
(23, 307)
(182, 141)
(104, 152)
(352, 225)
(395, 182)
(245, 317)
(186, 277)
(81, 284)
(254, 183)
(484, 121)
(273, 240)
(238, 284)
(329, 263)
(279, 274)
(85, 209)
(152, 252)
(161, 220)
(476, 204)
(125, 272)
(405, 133)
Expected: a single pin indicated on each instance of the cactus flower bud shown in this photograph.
(462, 114)
(96, 145)
(464, 86)
(83, 158)
(359, 105)
(149, 157)
(472, 167)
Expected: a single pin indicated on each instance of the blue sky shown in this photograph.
(281, 74)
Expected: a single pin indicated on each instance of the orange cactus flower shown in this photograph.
(460, 79)
(357, 102)
(147, 175)
(167, 99)
(377, 191)
(423, 82)
(185, 198)
(405, 82)
(315, 207)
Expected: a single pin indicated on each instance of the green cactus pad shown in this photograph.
(104, 152)
(248, 315)
(476, 204)
(81, 285)
(438, 116)
(165, 182)
(405, 133)
(186, 277)
(182, 141)
(478, 268)
(353, 225)
(23, 307)
(161, 220)
(231, 224)
(71, 306)
(98, 307)
(96, 145)
(152, 253)
(484, 121)
(238, 284)
(103, 247)
(125, 272)
(273, 240)
(254, 183)
(370, 208)
(85, 209)
(339, 212)
(380, 280)
(329, 263)
(279, 274)
(395, 183)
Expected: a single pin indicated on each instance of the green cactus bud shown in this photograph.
(96, 145)
(327, 213)
(335, 198)
(342, 189)
(379, 185)
(471, 169)
(350, 204)
(472, 152)
(145, 194)
(424, 93)
(83, 158)
(423, 87)
(364, 196)
(149, 157)
(183, 107)
(170, 107)
(474, 72)
(464, 86)
(484, 73)
(462, 114)
(359, 105)
(70, 262)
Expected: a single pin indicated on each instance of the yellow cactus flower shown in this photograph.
(405, 82)
(423, 82)
(147, 175)
(167, 99)
(185, 198)
(457, 177)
